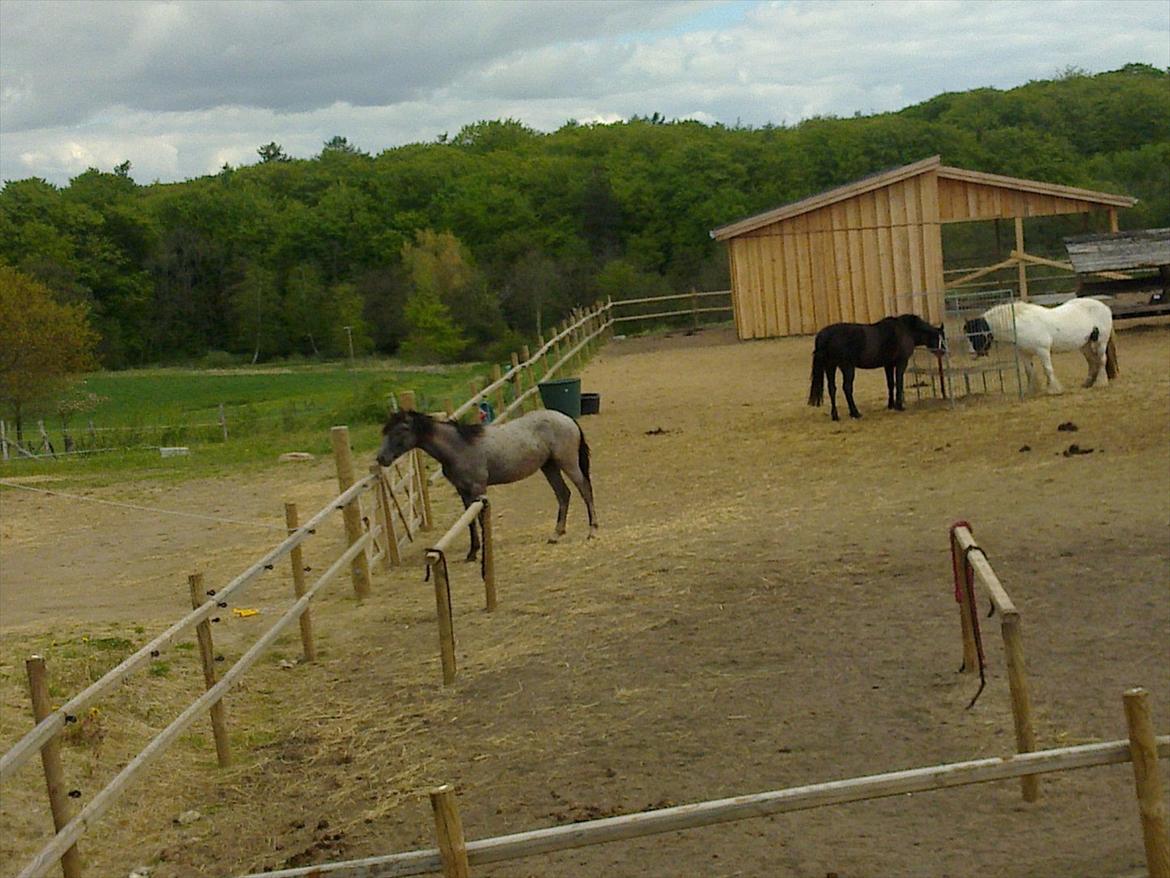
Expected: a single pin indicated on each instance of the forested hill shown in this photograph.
(456, 246)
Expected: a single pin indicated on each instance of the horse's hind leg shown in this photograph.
(847, 373)
(552, 472)
(585, 487)
(1095, 355)
(831, 378)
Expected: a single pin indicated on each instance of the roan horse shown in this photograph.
(887, 344)
(474, 456)
(1084, 324)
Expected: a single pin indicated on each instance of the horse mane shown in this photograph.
(913, 321)
(469, 432)
(423, 425)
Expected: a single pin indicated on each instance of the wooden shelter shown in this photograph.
(873, 247)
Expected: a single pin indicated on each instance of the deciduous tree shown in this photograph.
(42, 343)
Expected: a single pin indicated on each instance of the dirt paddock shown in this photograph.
(768, 605)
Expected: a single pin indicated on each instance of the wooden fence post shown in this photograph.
(386, 518)
(223, 746)
(497, 374)
(529, 368)
(419, 467)
(438, 572)
(489, 555)
(962, 570)
(544, 353)
(1143, 749)
(406, 401)
(3, 442)
(360, 566)
(517, 378)
(42, 706)
(449, 833)
(1021, 701)
(46, 445)
(297, 561)
(223, 422)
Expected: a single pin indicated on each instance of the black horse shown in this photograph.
(887, 344)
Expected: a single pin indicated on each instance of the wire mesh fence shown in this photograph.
(971, 365)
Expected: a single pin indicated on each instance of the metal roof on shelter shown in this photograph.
(895, 175)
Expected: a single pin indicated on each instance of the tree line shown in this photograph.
(463, 247)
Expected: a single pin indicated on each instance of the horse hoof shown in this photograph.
(855, 415)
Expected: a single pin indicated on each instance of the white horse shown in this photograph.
(1078, 324)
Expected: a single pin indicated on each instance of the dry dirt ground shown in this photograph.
(769, 604)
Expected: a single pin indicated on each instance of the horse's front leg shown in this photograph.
(890, 397)
(899, 383)
(469, 498)
(1054, 385)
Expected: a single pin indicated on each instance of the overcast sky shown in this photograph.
(180, 88)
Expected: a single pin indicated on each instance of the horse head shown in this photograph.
(933, 338)
(402, 432)
(979, 335)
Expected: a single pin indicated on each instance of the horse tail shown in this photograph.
(816, 391)
(1112, 370)
(583, 455)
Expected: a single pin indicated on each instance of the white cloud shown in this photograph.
(179, 88)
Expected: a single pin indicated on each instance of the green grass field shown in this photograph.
(267, 411)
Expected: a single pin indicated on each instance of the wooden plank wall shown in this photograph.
(857, 260)
(963, 201)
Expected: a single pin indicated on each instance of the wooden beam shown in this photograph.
(1067, 266)
(1021, 266)
(982, 272)
(608, 829)
(978, 560)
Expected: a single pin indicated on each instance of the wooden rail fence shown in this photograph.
(970, 563)
(454, 856)
(368, 542)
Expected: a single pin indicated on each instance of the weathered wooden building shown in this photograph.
(874, 247)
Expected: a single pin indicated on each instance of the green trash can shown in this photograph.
(562, 395)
